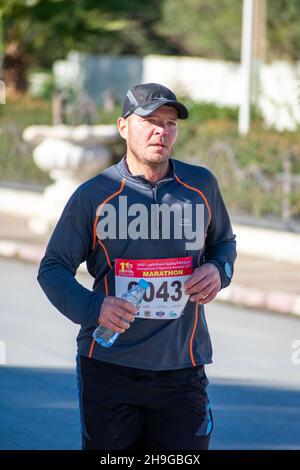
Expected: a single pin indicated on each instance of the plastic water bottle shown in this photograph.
(105, 336)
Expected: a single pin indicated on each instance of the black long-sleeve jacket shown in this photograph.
(148, 343)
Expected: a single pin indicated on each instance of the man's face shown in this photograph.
(150, 139)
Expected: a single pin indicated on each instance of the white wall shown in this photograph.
(201, 79)
(280, 95)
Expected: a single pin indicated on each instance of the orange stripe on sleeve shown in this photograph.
(197, 191)
(192, 336)
(106, 284)
(196, 309)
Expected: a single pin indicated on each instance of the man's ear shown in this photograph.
(122, 127)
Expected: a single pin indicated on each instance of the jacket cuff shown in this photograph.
(95, 311)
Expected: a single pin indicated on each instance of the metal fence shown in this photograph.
(253, 197)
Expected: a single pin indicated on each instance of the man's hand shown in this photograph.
(112, 311)
(204, 284)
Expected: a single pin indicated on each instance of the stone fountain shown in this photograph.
(71, 155)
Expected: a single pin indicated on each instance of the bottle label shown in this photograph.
(164, 298)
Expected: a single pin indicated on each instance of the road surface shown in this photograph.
(254, 384)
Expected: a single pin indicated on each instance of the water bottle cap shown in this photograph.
(144, 284)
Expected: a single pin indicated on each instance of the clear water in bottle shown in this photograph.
(105, 336)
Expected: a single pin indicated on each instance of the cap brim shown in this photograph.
(149, 108)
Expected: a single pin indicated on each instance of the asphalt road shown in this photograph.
(254, 385)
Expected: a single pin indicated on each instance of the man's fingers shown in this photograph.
(113, 310)
(118, 321)
(121, 313)
(114, 322)
(114, 327)
(205, 299)
(125, 305)
(113, 315)
(197, 276)
(208, 279)
(210, 297)
(199, 287)
(203, 293)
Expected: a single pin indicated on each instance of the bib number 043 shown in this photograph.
(165, 291)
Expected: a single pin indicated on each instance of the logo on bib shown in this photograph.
(160, 314)
(173, 314)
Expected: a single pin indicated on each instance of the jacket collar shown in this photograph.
(124, 171)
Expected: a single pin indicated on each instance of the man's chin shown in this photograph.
(158, 157)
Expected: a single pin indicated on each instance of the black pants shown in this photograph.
(123, 408)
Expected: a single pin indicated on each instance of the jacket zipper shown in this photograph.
(156, 212)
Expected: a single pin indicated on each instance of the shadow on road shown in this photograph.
(39, 410)
(252, 416)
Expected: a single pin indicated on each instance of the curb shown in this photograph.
(274, 301)
(26, 252)
(279, 302)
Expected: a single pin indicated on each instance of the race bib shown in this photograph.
(164, 298)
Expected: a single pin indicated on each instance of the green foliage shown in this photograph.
(47, 30)
(47, 88)
(203, 28)
(199, 112)
(283, 27)
(16, 163)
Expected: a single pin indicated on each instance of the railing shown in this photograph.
(252, 196)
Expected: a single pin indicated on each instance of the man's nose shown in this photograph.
(161, 129)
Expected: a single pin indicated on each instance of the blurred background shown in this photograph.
(65, 68)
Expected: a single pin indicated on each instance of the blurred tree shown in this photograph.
(283, 29)
(213, 29)
(37, 32)
(40, 31)
(202, 27)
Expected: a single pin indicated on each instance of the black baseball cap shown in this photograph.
(145, 98)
